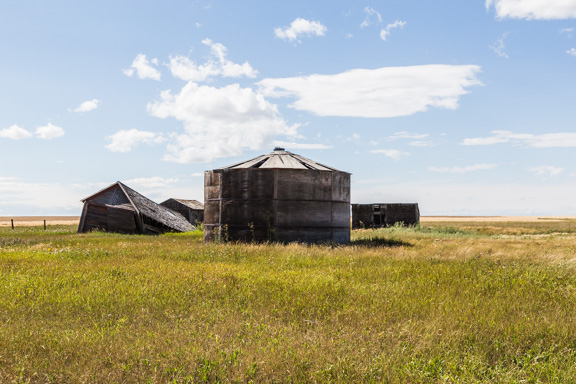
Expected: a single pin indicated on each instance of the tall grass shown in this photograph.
(427, 304)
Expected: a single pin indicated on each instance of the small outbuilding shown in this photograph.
(280, 196)
(119, 208)
(384, 214)
(192, 210)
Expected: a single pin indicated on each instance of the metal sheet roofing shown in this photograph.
(280, 158)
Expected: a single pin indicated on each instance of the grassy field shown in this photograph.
(465, 302)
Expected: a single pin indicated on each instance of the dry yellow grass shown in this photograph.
(523, 219)
(32, 221)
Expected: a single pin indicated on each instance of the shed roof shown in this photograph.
(192, 204)
(148, 208)
(280, 158)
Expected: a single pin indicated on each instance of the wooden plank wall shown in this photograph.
(286, 204)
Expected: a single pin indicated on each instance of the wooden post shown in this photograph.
(12, 221)
(44, 224)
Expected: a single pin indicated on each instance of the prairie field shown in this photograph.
(449, 301)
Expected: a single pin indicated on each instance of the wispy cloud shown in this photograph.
(385, 32)
(533, 10)
(126, 140)
(383, 92)
(499, 47)
(143, 68)
(469, 168)
(185, 69)
(546, 171)
(394, 154)
(571, 51)
(14, 132)
(372, 16)
(567, 31)
(547, 140)
(299, 28)
(407, 135)
(88, 106)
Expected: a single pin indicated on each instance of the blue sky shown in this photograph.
(466, 107)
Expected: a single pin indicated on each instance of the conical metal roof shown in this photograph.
(280, 158)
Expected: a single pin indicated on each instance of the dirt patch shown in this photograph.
(30, 221)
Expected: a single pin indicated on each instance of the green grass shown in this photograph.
(431, 304)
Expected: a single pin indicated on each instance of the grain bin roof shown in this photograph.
(281, 158)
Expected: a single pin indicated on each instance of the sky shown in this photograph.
(464, 107)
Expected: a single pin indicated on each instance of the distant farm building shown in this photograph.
(192, 210)
(119, 208)
(383, 215)
(280, 196)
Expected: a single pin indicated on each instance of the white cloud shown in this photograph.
(546, 171)
(571, 51)
(126, 140)
(143, 68)
(371, 17)
(499, 47)
(88, 106)
(14, 132)
(469, 168)
(384, 33)
(300, 27)
(547, 140)
(394, 154)
(219, 122)
(567, 31)
(291, 145)
(49, 131)
(185, 69)
(533, 9)
(383, 92)
(151, 182)
(408, 135)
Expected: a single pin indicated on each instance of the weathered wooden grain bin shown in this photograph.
(382, 215)
(280, 196)
(192, 210)
(119, 208)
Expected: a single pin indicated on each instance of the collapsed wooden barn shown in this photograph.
(384, 214)
(192, 210)
(280, 196)
(119, 208)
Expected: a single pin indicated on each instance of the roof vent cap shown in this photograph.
(278, 149)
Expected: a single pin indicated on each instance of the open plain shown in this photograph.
(452, 300)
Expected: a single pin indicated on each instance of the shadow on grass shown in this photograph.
(378, 242)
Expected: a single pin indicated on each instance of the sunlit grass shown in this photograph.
(436, 303)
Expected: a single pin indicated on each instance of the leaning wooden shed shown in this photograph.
(192, 210)
(384, 214)
(119, 208)
(280, 196)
